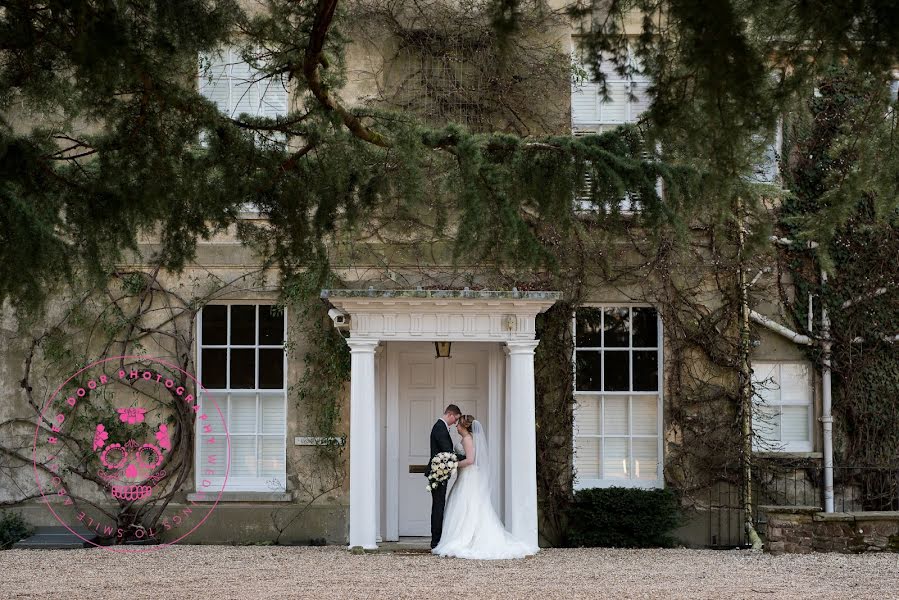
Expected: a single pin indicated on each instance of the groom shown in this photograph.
(441, 442)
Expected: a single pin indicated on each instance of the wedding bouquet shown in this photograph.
(442, 467)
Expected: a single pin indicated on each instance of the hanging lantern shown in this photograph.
(443, 349)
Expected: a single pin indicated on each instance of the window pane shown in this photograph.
(588, 327)
(271, 325)
(243, 414)
(617, 328)
(615, 415)
(766, 382)
(213, 459)
(614, 463)
(212, 370)
(794, 424)
(646, 328)
(243, 369)
(645, 415)
(272, 414)
(795, 384)
(271, 369)
(586, 458)
(646, 370)
(215, 323)
(243, 324)
(766, 423)
(210, 404)
(271, 458)
(587, 415)
(617, 365)
(646, 458)
(243, 456)
(588, 370)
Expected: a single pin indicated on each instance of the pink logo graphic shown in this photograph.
(138, 473)
(131, 464)
(132, 415)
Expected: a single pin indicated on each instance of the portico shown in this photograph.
(396, 383)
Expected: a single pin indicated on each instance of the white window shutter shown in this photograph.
(587, 416)
(615, 458)
(645, 416)
(794, 423)
(236, 88)
(641, 100)
(585, 104)
(274, 98)
(646, 458)
(243, 413)
(245, 91)
(614, 110)
(766, 382)
(794, 384)
(587, 458)
(243, 456)
(271, 457)
(215, 83)
(272, 414)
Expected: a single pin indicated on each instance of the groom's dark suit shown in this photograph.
(440, 442)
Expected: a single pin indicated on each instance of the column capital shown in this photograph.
(521, 346)
(366, 345)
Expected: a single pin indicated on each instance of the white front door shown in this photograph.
(426, 386)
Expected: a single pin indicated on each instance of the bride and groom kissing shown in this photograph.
(464, 524)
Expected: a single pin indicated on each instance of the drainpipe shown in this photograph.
(827, 400)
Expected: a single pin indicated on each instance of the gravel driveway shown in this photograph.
(252, 572)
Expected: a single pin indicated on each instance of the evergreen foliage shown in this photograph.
(623, 518)
(840, 141)
(12, 529)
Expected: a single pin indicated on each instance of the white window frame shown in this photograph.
(767, 445)
(601, 482)
(222, 396)
(613, 77)
(231, 57)
(628, 205)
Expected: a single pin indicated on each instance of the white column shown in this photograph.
(522, 435)
(363, 445)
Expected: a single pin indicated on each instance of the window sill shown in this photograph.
(242, 497)
(625, 483)
(786, 454)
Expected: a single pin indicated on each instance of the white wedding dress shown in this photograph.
(471, 528)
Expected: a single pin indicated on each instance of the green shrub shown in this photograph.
(623, 518)
(12, 529)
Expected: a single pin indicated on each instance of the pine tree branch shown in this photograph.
(324, 16)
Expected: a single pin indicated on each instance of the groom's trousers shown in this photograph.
(438, 503)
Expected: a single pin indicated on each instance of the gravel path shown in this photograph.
(252, 572)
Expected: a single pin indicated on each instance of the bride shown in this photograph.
(471, 528)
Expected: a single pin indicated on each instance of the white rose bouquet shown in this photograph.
(442, 467)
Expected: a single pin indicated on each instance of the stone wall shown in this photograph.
(800, 530)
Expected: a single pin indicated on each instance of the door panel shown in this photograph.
(426, 385)
(420, 396)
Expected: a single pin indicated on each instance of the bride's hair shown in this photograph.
(466, 421)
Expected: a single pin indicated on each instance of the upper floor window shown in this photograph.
(617, 362)
(242, 366)
(237, 88)
(767, 169)
(782, 418)
(627, 99)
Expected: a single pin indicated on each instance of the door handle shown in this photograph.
(418, 468)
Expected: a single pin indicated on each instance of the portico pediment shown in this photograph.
(452, 315)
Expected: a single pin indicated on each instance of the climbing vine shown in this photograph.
(842, 130)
